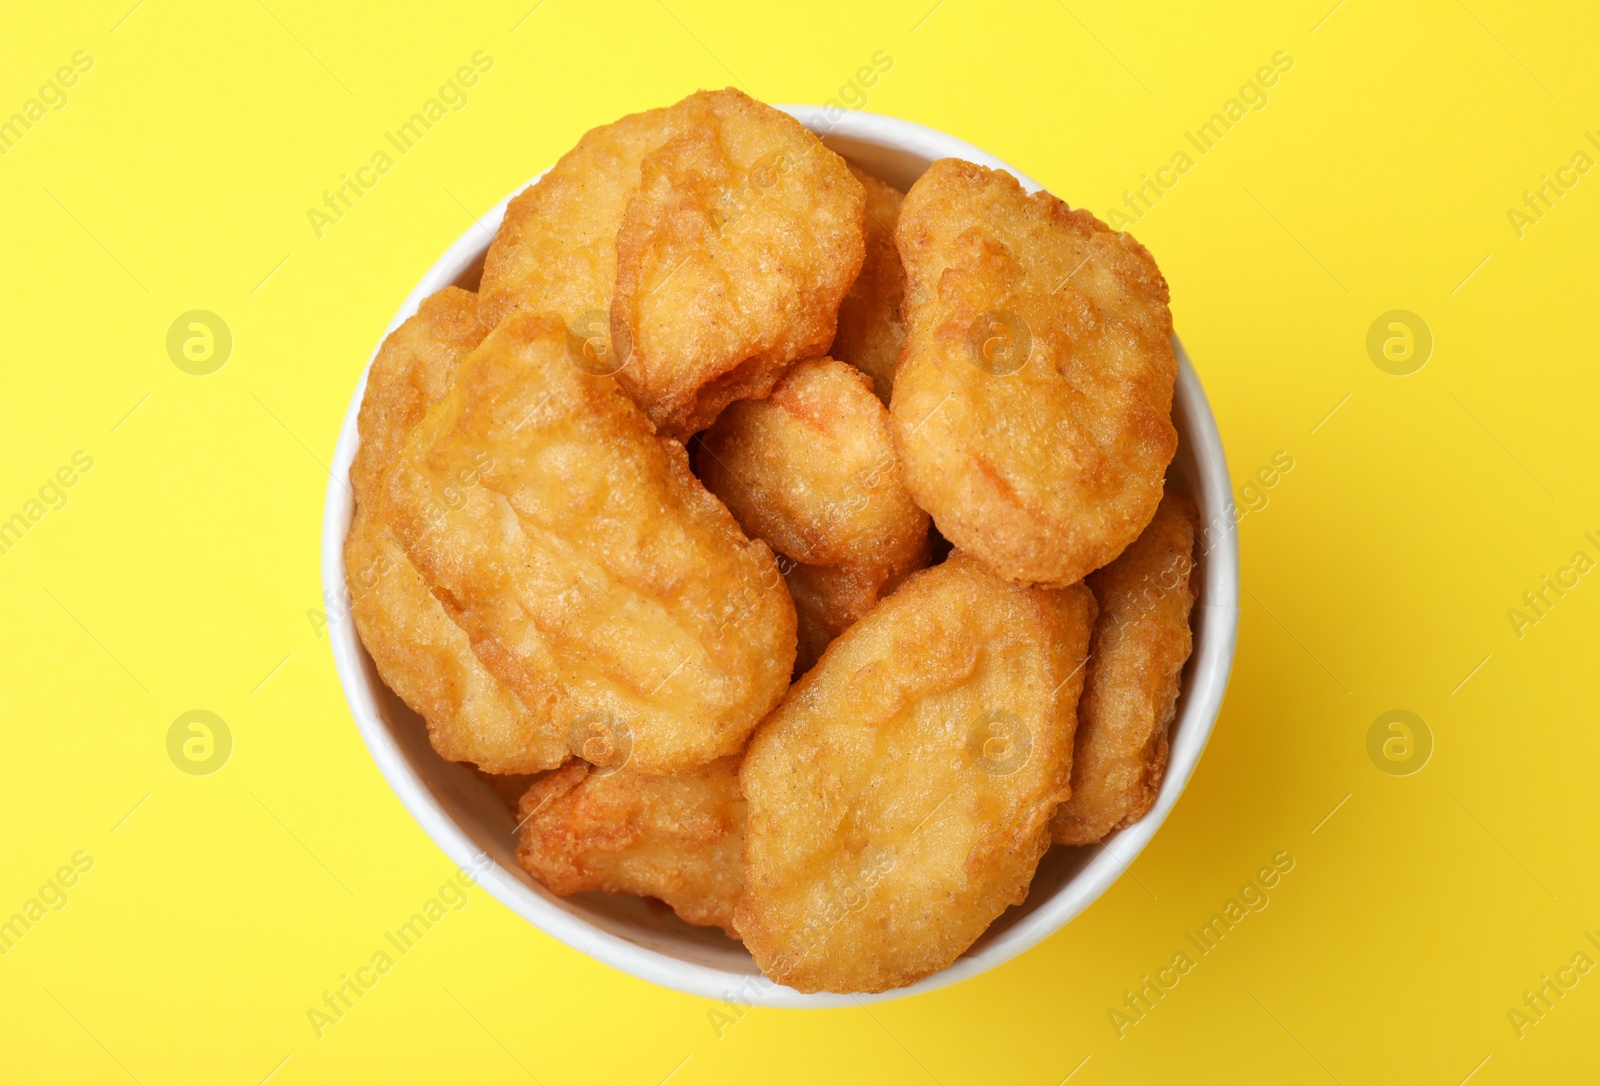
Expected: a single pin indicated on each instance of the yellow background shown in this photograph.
(180, 573)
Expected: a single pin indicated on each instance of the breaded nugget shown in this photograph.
(828, 601)
(594, 574)
(812, 470)
(900, 797)
(1032, 407)
(422, 655)
(411, 372)
(1141, 641)
(556, 247)
(673, 838)
(732, 258)
(871, 329)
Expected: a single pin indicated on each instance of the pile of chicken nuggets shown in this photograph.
(785, 548)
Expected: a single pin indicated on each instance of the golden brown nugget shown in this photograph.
(556, 247)
(420, 653)
(594, 574)
(673, 838)
(812, 470)
(1032, 406)
(900, 797)
(411, 372)
(826, 603)
(870, 326)
(829, 601)
(1141, 642)
(732, 259)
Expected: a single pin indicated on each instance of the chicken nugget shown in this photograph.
(812, 470)
(1141, 641)
(556, 247)
(1032, 406)
(870, 326)
(594, 574)
(828, 601)
(732, 259)
(673, 838)
(420, 653)
(411, 372)
(900, 796)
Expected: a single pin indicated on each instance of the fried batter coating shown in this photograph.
(1141, 641)
(421, 654)
(1032, 407)
(871, 329)
(673, 838)
(412, 372)
(556, 247)
(812, 470)
(828, 601)
(594, 574)
(732, 259)
(900, 797)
